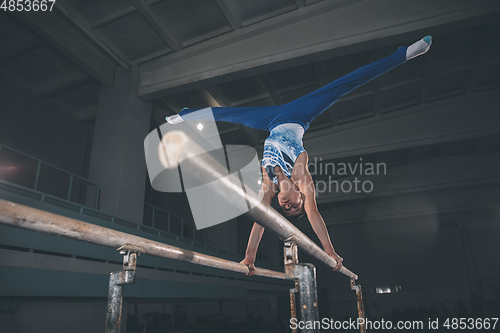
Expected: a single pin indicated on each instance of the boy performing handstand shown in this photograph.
(284, 162)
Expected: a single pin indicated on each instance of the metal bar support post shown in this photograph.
(116, 282)
(291, 258)
(305, 285)
(361, 308)
(308, 296)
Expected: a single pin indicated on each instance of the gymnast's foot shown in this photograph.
(175, 119)
(419, 47)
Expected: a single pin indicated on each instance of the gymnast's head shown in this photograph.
(291, 200)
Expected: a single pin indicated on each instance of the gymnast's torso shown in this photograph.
(281, 148)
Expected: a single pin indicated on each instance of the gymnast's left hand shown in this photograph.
(250, 264)
(338, 259)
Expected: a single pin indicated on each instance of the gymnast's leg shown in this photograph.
(313, 104)
(308, 107)
(260, 118)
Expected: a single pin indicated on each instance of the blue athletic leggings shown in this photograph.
(305, 109)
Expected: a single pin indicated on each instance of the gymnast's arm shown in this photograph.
(268, 190)
(306, 186)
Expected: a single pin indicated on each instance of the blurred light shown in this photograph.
(200, 126)
(7, 170)
(383, 290)
(387, 290)
(171, 148)
(259, 182)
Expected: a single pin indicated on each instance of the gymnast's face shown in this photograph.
(291, 201)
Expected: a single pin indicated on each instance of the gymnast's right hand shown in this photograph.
(250, 264)
(338, 259)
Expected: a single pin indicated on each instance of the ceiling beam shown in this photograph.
(229, 13)
(206, 36)
(8, 73)
(213, 93)
(170, 105)
(112, 17)
(151, 56)
(161, 28)
(18, 47)
(249, 100)
(216, 94)
(91, 91)
(273, 13)
(305, 84)
(78, 20)
(399, 84)
(268, 84)
(254, 50)
(62, 84)
(300, 3)
(28, 85)
(65, 107)
(253, 140)
(48, 57)
(319, 69)
(67, 39)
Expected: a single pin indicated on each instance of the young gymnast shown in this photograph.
(284, 162)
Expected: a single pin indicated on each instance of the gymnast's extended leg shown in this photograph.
(308, 107)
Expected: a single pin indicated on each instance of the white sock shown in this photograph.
(419, 47)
